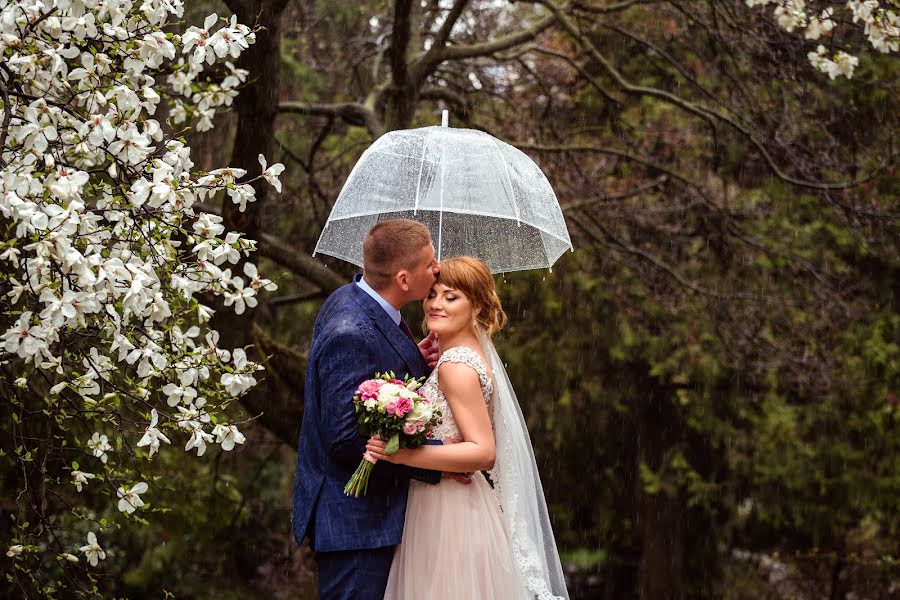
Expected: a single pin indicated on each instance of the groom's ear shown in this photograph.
(402, 280)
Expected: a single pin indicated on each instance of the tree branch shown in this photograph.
(598, 233)
(708, 114)
(605, 10)
(617, 196)
(351, 113)
(426, 63)
(590, 79)
(443, 35)
(448, 96)
(299, 262)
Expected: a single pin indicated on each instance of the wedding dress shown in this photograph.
(479, 541)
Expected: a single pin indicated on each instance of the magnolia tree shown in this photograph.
(109, 277)
(818, 21)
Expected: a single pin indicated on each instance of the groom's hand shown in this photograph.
(429, 349)
(464, 478)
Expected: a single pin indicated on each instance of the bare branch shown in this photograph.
(706, 113)
(599, 233)
(448, 96)
(443, 35)
(605, 10)
(427, 63)
(299, 262)
(590, 79)
(646, 187)
(615, 152)
(351, 113)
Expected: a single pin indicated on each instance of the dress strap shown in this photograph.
(465, 355)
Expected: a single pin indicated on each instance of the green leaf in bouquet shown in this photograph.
(393, 444)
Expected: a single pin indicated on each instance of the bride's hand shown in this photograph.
(375, 448)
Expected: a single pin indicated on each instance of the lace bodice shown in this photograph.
(459, 354)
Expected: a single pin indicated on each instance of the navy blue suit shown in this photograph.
(353, 338)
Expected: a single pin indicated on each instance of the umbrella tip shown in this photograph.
(445, 118)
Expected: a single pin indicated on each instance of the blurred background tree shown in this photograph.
(711, 378)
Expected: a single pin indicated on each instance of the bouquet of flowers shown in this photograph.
(397, 412)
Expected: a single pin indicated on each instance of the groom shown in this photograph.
(359, 331)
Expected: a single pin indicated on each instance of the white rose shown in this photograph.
(388, 393)
(421, 411)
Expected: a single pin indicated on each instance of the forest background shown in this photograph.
(710, 378)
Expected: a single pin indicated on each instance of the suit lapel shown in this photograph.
(391, 331)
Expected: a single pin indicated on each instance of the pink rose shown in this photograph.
(369, 389)
(410, 428)
(420, 426)
(398, 382)
(404, 405)
(391, 408)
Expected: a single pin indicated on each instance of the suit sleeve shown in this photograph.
(345, 361)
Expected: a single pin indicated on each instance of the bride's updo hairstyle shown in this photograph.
(473, 278)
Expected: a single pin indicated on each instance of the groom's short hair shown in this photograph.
(391, 246)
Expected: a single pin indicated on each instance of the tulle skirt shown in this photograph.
(455, 546)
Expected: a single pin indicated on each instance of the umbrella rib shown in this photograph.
(441, 209)
(512, 191)
(421, 168)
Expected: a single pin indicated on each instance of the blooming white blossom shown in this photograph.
(153, 436)
(130, 500)
(228, 436)
(271, 174)
(92, 551)
(99, 445)
(80, 478)
(880, 26)
(107, 254)
(15, 550)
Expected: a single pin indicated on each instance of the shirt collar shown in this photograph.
(392, 312)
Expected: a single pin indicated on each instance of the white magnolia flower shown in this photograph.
(228, 436)
(241, 195)
(241, 297)
(198, 440)
(80, 478)
(99, 445)
(130, 500)
(98, 198)
(153, 436)
(271, 174)
(15, 550)
(820, 25)
(177, 394)
(256, 282)
(237, 383)
(92, 550)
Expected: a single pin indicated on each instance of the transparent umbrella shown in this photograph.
(478, 195)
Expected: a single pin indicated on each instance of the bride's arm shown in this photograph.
(462, 388)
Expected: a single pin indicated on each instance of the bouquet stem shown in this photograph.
(359, 482)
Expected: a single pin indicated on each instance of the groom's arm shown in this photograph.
(344, 362)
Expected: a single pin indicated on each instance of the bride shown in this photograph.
(478, 541)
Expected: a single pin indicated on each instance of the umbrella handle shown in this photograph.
(445, 118)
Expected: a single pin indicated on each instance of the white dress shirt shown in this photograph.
(392, 312)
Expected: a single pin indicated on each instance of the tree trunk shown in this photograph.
(278, 400)
(661, 568)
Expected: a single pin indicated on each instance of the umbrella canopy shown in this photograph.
(479, 196)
